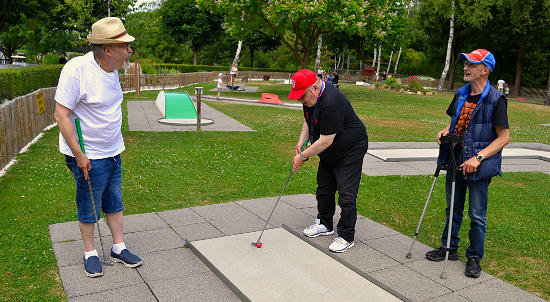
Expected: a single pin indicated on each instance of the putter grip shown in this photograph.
(305, 144)
(79, 132)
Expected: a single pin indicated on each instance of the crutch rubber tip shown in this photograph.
(443, 276)
(408, 255)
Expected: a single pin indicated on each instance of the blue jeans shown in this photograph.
(106, 179)
(477, 210)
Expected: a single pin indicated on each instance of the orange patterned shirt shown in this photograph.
(464, 118)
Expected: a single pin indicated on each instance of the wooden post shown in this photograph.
(136, 65)
(198, 92)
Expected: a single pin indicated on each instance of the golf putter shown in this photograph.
(258, 243)
(79, 132)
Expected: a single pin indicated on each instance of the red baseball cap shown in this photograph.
(300, 81)
(479, 56)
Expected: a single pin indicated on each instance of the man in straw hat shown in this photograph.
(89, 90)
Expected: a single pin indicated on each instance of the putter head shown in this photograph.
(408, 255)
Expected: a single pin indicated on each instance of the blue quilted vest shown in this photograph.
(480, 132)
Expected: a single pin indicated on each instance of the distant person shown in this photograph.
(233, 73)
(62, 59)
(384, 77)
(89, 89)
(339, 138)
(478, 113)
(335, 78)
(506, 89)
(500, 85)
(320, 73)
(220, 84)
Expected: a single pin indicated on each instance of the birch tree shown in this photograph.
(318, 59)
(449, 47)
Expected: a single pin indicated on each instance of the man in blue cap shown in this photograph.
(478, 113)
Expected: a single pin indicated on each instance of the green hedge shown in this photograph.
(154, 68)
(18, 82)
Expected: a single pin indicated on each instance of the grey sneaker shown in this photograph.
(317, 229)
(340, 245)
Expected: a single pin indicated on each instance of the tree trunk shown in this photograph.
(195, 54)
(397, 61)
(451, 84)
(378, 63)
(374, 57)
(519, 64)
(389, 63)
(251, 56)
(449, 47)
(347, 64)
(547, 100)
(319, 47)
(237, 53)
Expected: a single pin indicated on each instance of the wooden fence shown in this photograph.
(162, 81)
(22, 119)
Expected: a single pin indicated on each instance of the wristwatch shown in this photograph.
(303, 158)
(479, 157)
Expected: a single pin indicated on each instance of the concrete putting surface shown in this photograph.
(171, 272)
(285, 268)
(431, 154)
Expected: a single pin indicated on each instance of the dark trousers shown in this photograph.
(344, 178)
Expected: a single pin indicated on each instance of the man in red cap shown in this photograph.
(479, 114)
(340, 139)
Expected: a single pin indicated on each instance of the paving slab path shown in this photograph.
(172, 272)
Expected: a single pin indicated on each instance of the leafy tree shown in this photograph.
(187, 23)
(14, 16)
(77, 16)
(258, 39)
(304, 20)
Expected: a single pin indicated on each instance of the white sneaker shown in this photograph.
(317, 229)
(340, 245)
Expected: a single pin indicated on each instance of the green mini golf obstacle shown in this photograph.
(176, 105)
(177, 108)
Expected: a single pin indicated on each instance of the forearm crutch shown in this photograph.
(440, 167)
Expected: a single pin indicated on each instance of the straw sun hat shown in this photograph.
(109, 30)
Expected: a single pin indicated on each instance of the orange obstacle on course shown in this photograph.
(271, 99)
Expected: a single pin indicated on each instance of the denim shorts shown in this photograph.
(106, 179)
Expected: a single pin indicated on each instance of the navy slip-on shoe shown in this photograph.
(92, 267)
(129, 259)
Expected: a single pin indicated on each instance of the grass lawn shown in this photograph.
(170, 170)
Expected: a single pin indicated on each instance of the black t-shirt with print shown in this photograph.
(500, 114)
(335, 115)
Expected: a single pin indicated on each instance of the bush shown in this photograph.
(18, 82)
(391, 81)
(415, 84)
(50, 59)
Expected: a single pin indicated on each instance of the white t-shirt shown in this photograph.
(500, 84)
(95, 97)
(220, 83)
(234, 70)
